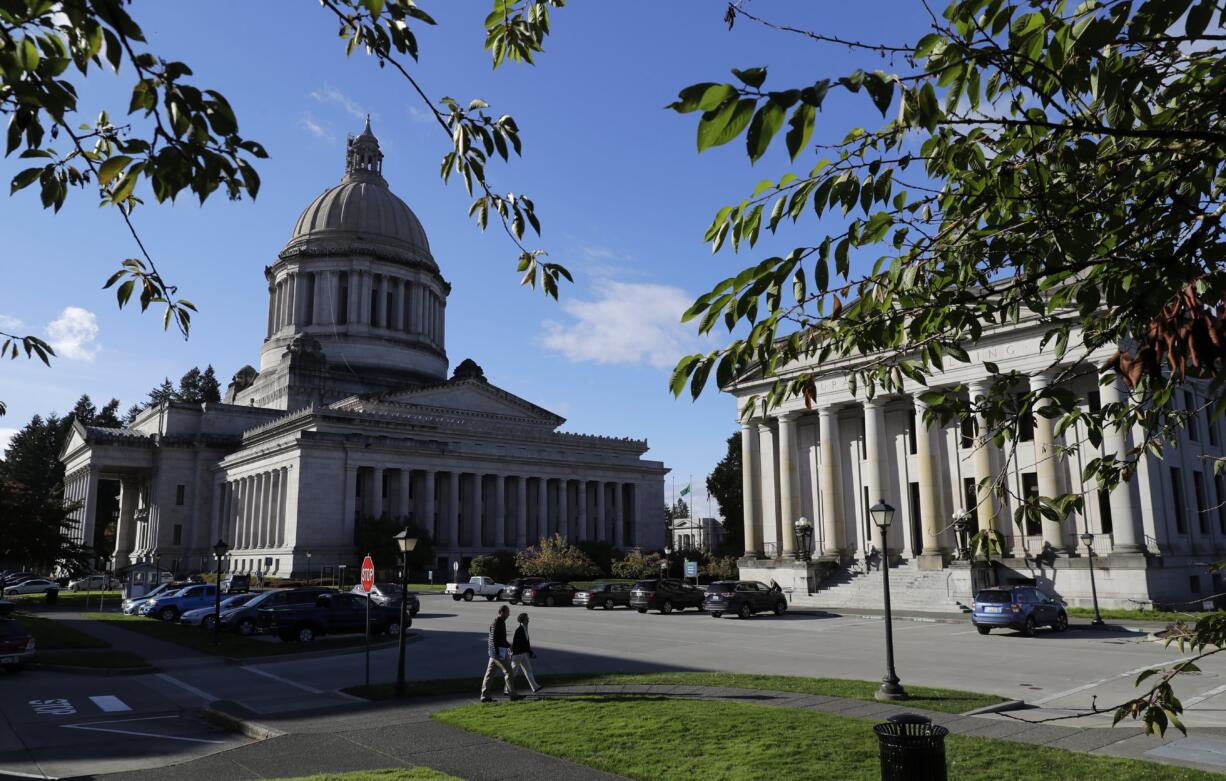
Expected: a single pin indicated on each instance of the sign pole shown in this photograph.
(368, 582)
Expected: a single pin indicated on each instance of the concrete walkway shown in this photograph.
(395, 734)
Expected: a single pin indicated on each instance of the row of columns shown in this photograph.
(82, 486)
(779, 503)
(332, 297)
(461, 516)
(252, 510)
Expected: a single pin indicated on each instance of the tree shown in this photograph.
(164, 392)
(181, 137)
(376, 537)
(555, 559)
(636, 565)
(499, 565)
(36, 529)
(724, 483)
(1043, 161)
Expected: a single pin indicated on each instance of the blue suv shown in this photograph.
(1022, 608)
(168, 607)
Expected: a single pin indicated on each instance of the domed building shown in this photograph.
(351, 416)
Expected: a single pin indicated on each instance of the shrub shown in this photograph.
(499, 565)
(635, 565)
(602, 553)
(556, 559)
(723, 568)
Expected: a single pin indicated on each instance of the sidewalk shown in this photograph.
(394, 734)
(947, 617)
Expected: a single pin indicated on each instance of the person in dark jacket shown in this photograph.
(521, 652)
(500, 657)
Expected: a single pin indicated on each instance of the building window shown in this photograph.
(310, 300)
(388, 310)
(917, 520)
(374, 306)
(1181, 519)
(1220, 484)
(178, 534)
(1104, 511)
(1094, 401)
(180, 494)
(971, 502)
(863, 442)
(967, 430)
(383, 488)
(1194, 584)
(868, 531)
(1189, 404)
(1202, 516)
(911, 445)
(342, 304)
(1030, 488)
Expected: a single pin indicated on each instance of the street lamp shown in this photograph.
(219, 550)
(883, 515)
(804, 537)
(406, 543)
(1088, 540)
(308, 577)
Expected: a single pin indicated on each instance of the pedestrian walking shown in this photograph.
(500, 657)
(522, 653)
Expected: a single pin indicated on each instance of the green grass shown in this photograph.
(944, 700)
(1137, 615)
(231, 645)
(106, 660)
(664, 740)
(68, 600)
(398, 774)
(50, 634)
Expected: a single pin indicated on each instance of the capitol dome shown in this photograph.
(361, 214)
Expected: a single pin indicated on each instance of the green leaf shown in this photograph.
(702, 97)
(762, 129)
(754, 77)
(800, 129)
(111, 167)
(718, 127)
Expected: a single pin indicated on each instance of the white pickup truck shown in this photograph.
(477, 586)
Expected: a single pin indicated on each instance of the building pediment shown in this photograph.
(476, 396)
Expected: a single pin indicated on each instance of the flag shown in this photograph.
(685, 490)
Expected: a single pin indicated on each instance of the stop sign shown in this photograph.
(368, 574)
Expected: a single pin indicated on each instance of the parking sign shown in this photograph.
(691, 569)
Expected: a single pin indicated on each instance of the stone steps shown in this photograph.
(910, 589)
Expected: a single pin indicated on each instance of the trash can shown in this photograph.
(912, 748)
(53, 596)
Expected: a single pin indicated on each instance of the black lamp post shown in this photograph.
(1088, 539)
(157, 569)
(407, 543)
(219, 550)
(883, 515)
(308, 577)
(804, 538)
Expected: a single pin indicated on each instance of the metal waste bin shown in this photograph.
(912, 748)
(53, 595)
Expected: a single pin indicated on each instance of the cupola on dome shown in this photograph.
(361, 215)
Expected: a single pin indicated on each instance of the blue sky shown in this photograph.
(623, 197)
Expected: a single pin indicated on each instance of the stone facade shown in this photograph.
(351, 414)
(830, 462)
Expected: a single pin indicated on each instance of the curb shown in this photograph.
(104, 671)
(237, 718)
(999, 707)
(409, 637)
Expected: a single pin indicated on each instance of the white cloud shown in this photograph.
(317, 129)
(330, 94)
(629, 323)
(6, 435)
(10, 324)
(73, 335)
(417, 115)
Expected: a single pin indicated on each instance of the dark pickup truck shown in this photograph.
(332, 613)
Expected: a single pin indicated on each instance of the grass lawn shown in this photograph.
(944, 700)
(684, 740)
(68, 600)
(50, 634)
(106, 660)
(232, 645)
(398, 774)
(1137, 615)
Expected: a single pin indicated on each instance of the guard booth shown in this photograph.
(140, 579)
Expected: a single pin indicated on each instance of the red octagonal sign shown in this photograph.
(368, 574)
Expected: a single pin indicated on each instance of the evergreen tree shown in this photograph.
(108, 416)
(84, 411)
(210, 387)
(724, 484)
(131, 414)
(33, 456)
(163, 392)
(189, 386)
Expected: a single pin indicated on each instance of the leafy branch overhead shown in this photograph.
(1053, 164)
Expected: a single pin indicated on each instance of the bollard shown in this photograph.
(912, 748)
(53, 596)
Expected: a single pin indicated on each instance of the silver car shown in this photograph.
(203, 616)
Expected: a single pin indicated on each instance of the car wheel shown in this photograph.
(983, 630)
(745, 612)
(781, 607)
(608, 604)
(246, 627)
(498, 596)
(305, 634)
(1061, 622)
(455, 597)
(716, 614)
(393, 628)
(286, 637)
(590, 606)
(513, 601)
(207, 623)
(667, 607)
(168, 614)
(642, 610)
(1028, 627)
(468, 596)
(549, 602)
(489, 597)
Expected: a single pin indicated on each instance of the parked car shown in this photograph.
(1023, 608)
(31, 586)
(549, 594)
(388, 594)
(243, 619)
(168, 607)
(13, 578)
(90, 583)
(133, 604)
(605, 595)
(744, 598)
(235, 584)
(665, 595)
(16, 645)
(515, 588)
(477, 586)
(330, 613)
(204, 616)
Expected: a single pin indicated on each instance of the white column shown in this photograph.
(984, 500)
(874, 471)
(1045, 466)
(618, 516)
(542, 507)
(768, 486)
(405, 506)
(602, 524)
(581, 510)
(789, 484)
(376, 492)
(396, 319)
(478, 510)
(453, 510)
(751, 483)
(1124, 521)
(301, 282)
(500, 511)
(428, 520)
(125, 529)
(934, 554)
(521, 513)
(272, 309)
(368, 282)
(284, 510)
(91, 506)
(832, 520)
(349, 504)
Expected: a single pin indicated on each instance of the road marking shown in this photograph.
(17, 774)
(52, 707)
(287, 681)
(201, 693)
(90, 726)
(110, 703)
(1101, 681)
(1202, 697)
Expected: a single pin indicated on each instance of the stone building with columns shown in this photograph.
(1152, 537)
(352, 414)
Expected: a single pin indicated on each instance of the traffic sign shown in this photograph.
(368, 574)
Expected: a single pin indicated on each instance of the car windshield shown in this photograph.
(388, 588)
(237, 600)
(723, 585)
(993, 596)
(645, 584)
